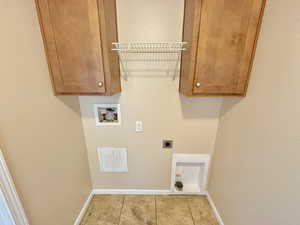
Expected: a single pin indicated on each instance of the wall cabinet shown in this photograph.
(77, 37)
(221, 38)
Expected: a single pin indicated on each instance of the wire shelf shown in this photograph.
(149, 52)
(139, 47)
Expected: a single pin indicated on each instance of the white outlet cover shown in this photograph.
(139, 126)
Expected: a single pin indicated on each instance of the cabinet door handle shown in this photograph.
(198, 84)
(100, 84)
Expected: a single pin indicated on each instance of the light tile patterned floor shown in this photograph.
(149, 210)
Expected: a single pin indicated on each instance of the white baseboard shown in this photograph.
(130, 192)
(215, 210)
(84, 209)
(141, 192)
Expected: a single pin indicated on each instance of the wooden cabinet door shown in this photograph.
(225, 46)
(74, 45)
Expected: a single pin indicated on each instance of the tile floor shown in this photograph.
(149, 210)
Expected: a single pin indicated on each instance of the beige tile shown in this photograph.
(104, 210)
(138, 210)
(201, 211)
(173, 210)
(145, 210)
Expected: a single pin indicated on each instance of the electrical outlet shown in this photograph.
(139, 126)
(167, 144)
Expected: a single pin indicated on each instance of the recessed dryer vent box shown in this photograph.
(193, 172)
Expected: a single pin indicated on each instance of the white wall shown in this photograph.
(255, 176)
(191, 123)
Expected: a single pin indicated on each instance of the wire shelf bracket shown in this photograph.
(156, 50)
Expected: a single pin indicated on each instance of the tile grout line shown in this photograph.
(156, 217)
(190, 210)
(121, 210)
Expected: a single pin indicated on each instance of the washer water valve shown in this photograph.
(178, 183)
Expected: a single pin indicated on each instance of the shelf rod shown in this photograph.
(136, 51)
